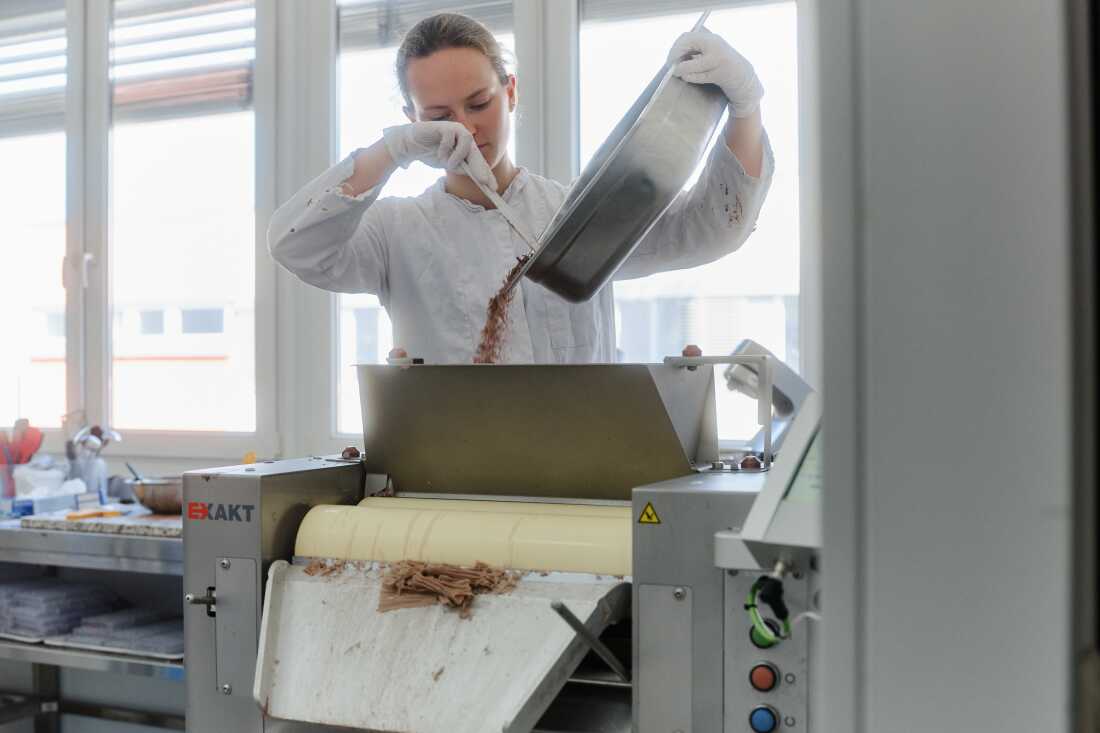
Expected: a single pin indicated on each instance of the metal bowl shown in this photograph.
(626, 187)
(162, 495)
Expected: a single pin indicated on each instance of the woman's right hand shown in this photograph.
(444, 145)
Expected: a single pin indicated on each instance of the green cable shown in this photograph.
(765, 632)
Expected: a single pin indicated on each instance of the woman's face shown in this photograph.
(460, 85)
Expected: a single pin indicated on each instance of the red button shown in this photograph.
(764, 677)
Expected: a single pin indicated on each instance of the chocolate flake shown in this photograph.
(324, 569)
(496, 319)
(413, 584)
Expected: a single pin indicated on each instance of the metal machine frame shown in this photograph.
(237, 521)
(691, 652)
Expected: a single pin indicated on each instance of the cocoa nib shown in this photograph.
(496, 319)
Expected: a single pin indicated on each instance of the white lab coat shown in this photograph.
(435, 260)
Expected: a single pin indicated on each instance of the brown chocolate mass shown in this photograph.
(496, 319)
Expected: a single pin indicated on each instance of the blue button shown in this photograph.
(763, 720)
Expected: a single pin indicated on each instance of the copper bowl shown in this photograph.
(161, 495)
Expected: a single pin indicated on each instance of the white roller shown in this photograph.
(514, 535)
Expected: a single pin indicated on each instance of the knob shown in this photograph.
(751, 462)
(764, 677)
(763, 719)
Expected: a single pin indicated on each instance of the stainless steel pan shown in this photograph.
(626, 187)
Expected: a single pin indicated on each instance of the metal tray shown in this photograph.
(631, 181)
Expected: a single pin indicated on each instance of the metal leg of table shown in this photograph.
(47, 686)
(16, 706)
(164, 721)
(45, 706)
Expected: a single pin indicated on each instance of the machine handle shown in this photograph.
(763, 399)
(591, 639)
(208, 599)
(689, 361)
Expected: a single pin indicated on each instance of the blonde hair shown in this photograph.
(447, 30)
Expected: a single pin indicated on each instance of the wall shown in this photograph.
(947, 365)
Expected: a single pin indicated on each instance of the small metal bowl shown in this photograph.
(161, 495)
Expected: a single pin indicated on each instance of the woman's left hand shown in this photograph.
(703, 57)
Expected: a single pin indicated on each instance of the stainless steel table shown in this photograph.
(124, 553)
(127, 553)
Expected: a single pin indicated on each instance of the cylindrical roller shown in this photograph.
(514, 535)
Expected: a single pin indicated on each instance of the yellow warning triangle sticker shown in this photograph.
(649, 515)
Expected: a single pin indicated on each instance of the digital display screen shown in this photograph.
(806, 486)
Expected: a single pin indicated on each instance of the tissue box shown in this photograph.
(34, 481)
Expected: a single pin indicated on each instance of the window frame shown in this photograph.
(86, 270)
(305, 145)
(71, 271)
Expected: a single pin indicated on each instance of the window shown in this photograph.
(152, 322)
(202, 320)
(55, 325)
(752, 293)
(165, 203)
(367, 337)
(370, 100)
(33, 77)
(182, 213)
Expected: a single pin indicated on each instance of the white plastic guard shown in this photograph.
(327, 656)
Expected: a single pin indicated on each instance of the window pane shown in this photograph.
(182, 246)
(370, 100)
(202, 320)
(753, 293)
(32, 247)
(152, 322)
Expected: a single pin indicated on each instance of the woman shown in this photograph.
(436, 259)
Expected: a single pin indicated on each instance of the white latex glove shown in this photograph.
(713, 61)
(439, 144)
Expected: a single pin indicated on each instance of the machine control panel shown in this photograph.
(766, 684)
